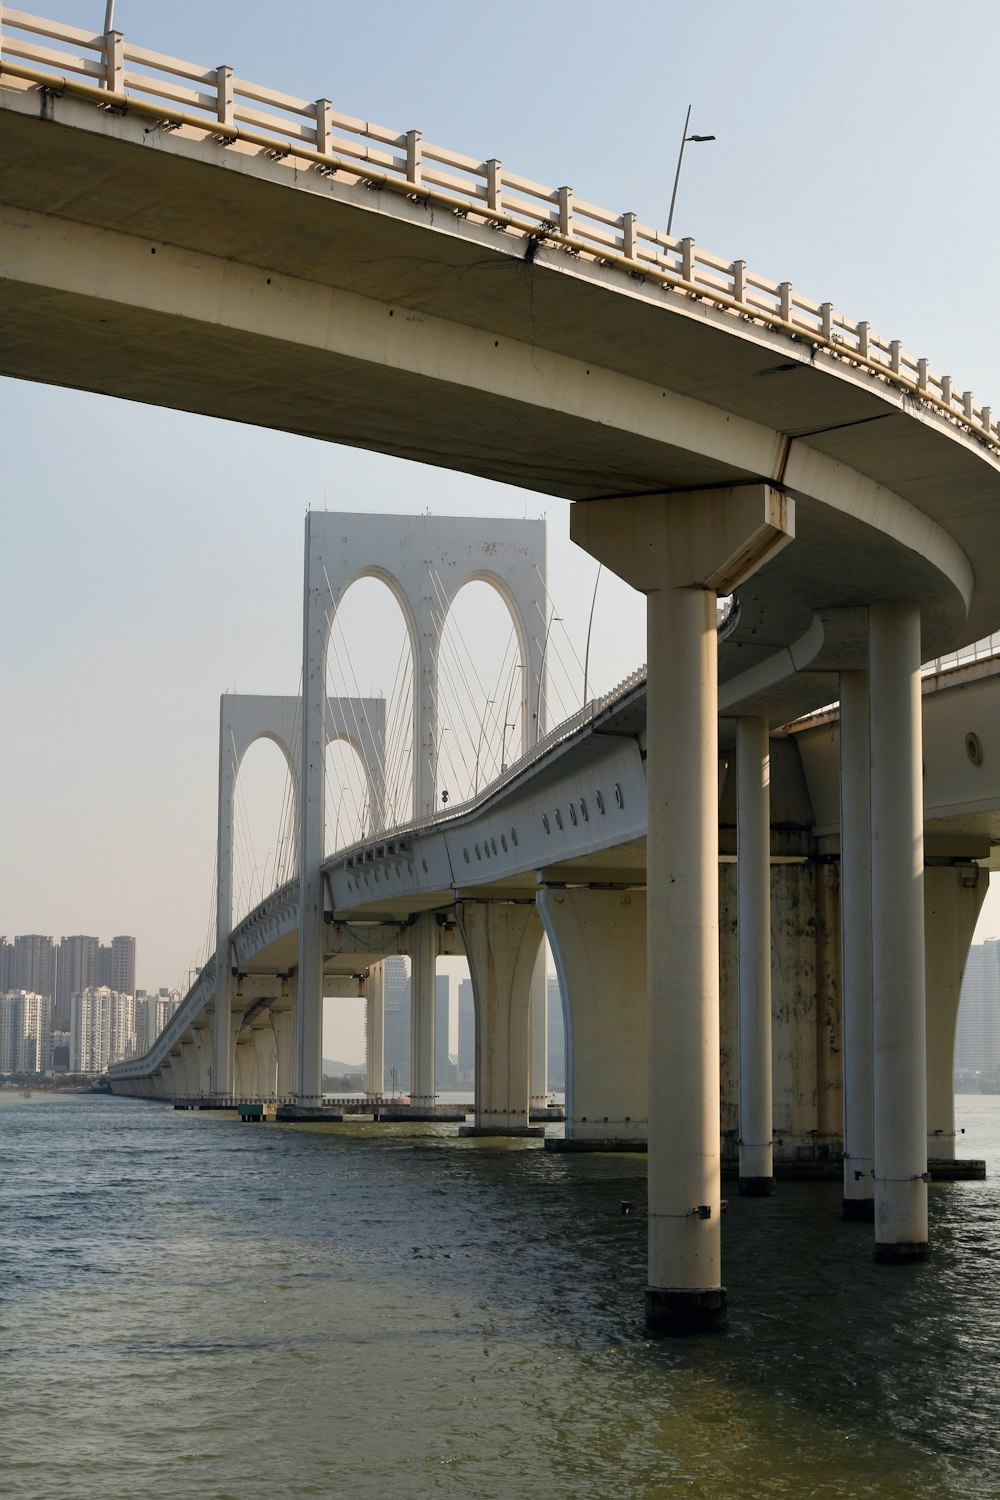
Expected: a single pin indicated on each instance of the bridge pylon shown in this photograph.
(244, 719)
(425, 561)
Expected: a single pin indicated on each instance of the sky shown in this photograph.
(151, 560)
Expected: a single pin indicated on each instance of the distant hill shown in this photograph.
(335, 1068)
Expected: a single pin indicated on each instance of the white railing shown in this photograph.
(117, 75)
(983, 650)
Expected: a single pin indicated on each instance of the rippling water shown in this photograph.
(192, 1307)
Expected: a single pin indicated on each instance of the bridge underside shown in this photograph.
(356, 316)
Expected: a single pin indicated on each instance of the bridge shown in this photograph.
(176, 231)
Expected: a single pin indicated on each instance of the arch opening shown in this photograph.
(350, 814)
(264, 826)
(370, 758)
(483, 690)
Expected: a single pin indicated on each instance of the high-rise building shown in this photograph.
(25, 1032)
(60, 1051)
(11, 1030)
(34, 965)
(146, 1029)
(152, 1012)
(36, 1043)
(397, 1028)
(6, 965)
(102, 1029)
(104, 966)
(977, 1036)
(444, 1068)
(123, 965)
(466, 1035)
(76, 971)
(397, 1025)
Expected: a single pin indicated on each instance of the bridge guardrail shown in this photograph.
(563, 731)
(115, 73)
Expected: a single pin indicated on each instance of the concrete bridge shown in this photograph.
(559, 843)
(174, 231)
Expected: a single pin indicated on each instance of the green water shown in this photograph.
(192, 1307)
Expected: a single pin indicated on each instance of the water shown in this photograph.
(190, 1306)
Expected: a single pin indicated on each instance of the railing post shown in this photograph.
(414, 161)
(739, 280)
(922, 374)
(114, 62)
(894, 352)
(863, 340)
(324, 126)
(687, 259)
(785, 301)
(224, 87)
(967, 405)
(946, 389)
(987, 418)
(826, 321)
(494, 185)
(565, 200)
(628, 236)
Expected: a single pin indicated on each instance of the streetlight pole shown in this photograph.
(590, 625)
(680, 157)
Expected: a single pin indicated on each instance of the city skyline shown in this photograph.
(38, 963)
(206, 512)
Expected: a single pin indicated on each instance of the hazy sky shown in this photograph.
(150, 560)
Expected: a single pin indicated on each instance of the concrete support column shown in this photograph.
(856, 937)
(681, 550)
(502, 941)
(753, 822)
(167, 1088)
(375, 1029)
(245, 1068)
(953, 896)
(222, 1082)
(229, 1046)
(539, 1081)
(598, 942)
(312, 817)
(685, 1263)
(266, 1059)
(898, 1001)
(829, 1018)
(283, 1025)
(203, 1049)
(189, 1067)
(423, 972)
(179, 1064)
